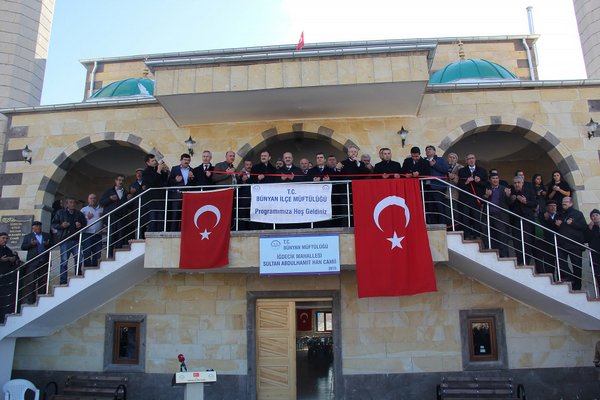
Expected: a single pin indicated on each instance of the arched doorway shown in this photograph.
(301, 144)
(91, 167)
(506, 152)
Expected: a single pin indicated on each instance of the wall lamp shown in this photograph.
(593, 128)
(403, 133)
(26, 153)
(189, 142)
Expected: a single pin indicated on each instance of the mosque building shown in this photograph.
(464, 95)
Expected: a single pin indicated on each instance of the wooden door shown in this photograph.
(275, 349)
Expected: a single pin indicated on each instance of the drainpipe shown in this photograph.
(93, 78)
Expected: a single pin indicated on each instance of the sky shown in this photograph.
(84, 29)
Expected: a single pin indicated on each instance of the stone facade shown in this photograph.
(204, 316)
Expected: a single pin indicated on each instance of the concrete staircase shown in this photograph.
(82, 295)
(557, 300)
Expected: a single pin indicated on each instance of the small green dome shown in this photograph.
(138, 87)
(472, 70)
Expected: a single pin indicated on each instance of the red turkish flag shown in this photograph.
(304, 319)
(300, 44)
(205, 229)
(393, 257)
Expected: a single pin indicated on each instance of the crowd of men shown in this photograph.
(480, 193)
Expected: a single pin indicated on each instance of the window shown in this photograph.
(324, 321)
(124, 345)
(482, 343)
(483, 339)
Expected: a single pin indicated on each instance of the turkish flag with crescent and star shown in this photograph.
(205, 229)
(393, 257)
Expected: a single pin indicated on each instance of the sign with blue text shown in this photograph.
(288, 203)
(293, 255)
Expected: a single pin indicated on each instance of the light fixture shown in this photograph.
(593, 127)
(190, 145)
(26, 152)
(403, 133)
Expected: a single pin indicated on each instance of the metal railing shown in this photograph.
(157, 210)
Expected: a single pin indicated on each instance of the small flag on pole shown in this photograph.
(300, 44)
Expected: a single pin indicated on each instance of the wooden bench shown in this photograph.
(93, 387)
(464, 388)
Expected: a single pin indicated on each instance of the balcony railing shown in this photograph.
(157, 210)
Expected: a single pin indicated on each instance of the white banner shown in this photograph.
(284, 203)
(318, 254)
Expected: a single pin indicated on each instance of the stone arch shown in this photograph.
(298, 132)
(76, 152)
(528, 130)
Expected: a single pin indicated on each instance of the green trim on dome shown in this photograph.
(126, 88)
(472, 70)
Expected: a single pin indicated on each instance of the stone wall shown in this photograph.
(203, 315)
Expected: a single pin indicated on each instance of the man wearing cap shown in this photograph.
(571, 224)
(593, 239)
(137, 186)
(35, 274)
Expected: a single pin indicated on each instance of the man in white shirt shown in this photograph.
(92, 235)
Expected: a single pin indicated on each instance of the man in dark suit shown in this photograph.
(120, 224)
(472, 179)
(387, 168)
(181, 175)
(289, 172)
(522, 202)
(352, 167)
(320, 172)
(263, 172)
(571, 224)
(500, 227)
(415, 165)
(203, 172)
(155, 175)
(35, 274)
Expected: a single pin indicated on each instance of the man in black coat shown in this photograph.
(289, 172)
(263, 172)
(546, 248)
(387, 168)
(472, 179)
(415, 165)
(500, 227)
(321, 171)
(35, 273)
(571, 223)
(120, 222)
(593, 239)
(9, 261)
(352, 167)
(66, 222)
(203, 172)
(181, 175)
(154, 176)
(522, 202)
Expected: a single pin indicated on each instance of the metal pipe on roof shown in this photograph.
(92, 79)
(529, 63)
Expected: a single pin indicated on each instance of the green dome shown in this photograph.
(472, 70)
(138, 87)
